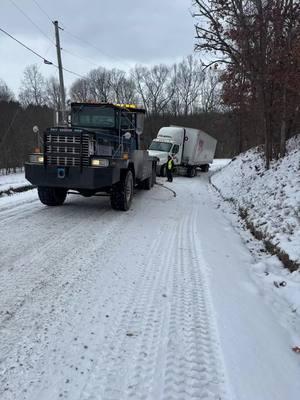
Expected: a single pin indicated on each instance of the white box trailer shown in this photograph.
(190, 148)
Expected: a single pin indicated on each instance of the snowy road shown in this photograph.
(155, 303)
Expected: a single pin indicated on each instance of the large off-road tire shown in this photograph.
(122, 193)
(52, 196)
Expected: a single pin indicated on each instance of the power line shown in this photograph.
(63, 49)
(43, 11)
(32, 22)
(26, 47)
(80, 39)
(95, 47)
(79, 57)
(38, 55)
(71, 72)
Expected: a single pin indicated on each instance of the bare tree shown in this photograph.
(53, 93)
(154, 87)
(188, 79)
(5, 93)
(80, 90)
(123, 89)
(33, 87)
(210, 91)
(258, 40)
(100, 84)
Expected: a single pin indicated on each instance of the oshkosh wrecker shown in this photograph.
(98, 153)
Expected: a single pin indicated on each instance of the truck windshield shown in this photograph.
(94, 117)
(160, 146)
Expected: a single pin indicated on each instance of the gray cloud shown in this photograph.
(125, 33)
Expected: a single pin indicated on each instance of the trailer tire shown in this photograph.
(191, 172)
(205, 168)
(122, 193)
(52, 196)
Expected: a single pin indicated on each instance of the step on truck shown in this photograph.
(98, 153)
(190, 149)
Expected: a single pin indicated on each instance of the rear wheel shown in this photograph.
(191, 172)
(205, 168)
(122, 193)
(52, 196)
(147, 183)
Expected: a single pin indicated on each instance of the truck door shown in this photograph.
(176, 154)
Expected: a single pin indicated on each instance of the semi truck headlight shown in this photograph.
(36, 158)
(99, 162)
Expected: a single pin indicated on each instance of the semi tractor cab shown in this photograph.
(189, 148)
(98, 153)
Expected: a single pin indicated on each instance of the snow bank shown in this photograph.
(268, 199)
(11, 182)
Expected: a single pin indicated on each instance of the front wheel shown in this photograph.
(153, 177)
(122, 193)
(52, 196)
(163, 171)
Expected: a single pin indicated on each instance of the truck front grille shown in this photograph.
(67, 149)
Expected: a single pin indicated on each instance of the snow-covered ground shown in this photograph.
(161, 302)
(12, 181)
(271, 198)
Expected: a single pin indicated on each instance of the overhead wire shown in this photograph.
(68, 33)
(46, 61)
(65, 30)
(79, 57)
(43, 11)
(26, 47)
(95, 47)
(63, 49)
(32, 22)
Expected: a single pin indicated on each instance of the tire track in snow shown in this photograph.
(139, 321)
(13, 211)
(174, 351)
(53, 288)
(192, 369)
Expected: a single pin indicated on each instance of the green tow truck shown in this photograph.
(98, 153)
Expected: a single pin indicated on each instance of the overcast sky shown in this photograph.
(124, 33)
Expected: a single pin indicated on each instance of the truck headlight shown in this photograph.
(99, 162)
(36, 158)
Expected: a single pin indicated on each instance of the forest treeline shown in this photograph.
(246, 94)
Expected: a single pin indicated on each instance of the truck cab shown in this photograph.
(169, 142)
(98, 153)
(190, 149)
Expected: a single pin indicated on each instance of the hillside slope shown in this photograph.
(269, 200)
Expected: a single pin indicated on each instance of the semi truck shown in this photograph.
(189, 148)
(98, 153)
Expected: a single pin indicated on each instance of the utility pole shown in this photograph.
(61, 77)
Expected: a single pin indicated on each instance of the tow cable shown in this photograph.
(165, 187)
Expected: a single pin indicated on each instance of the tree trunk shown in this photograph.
(283, 125)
